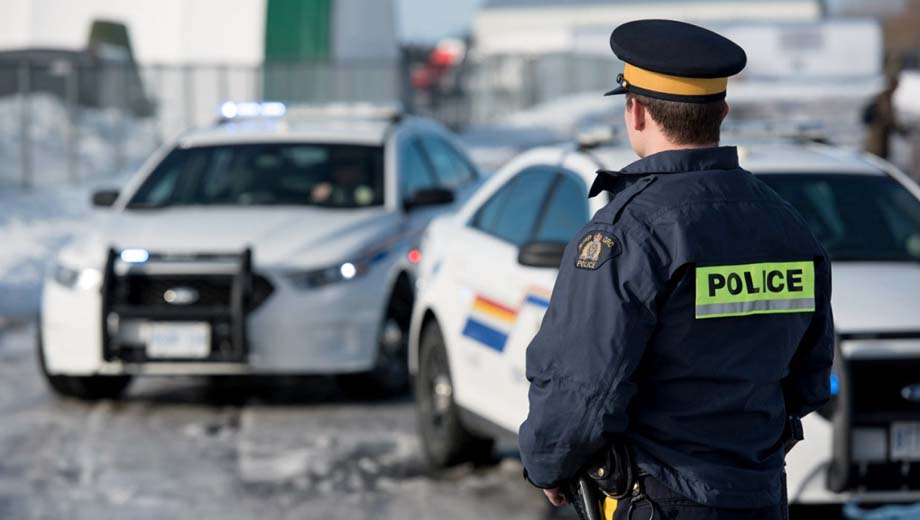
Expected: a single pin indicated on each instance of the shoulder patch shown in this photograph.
(595, 248)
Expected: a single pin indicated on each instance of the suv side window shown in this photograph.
(566, 211)
(453, 171)
(511, 213)
(414, 172)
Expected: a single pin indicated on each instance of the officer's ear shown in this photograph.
(724, 110)
(635, 114)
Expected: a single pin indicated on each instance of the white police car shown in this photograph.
(487, 272)
(282, 243)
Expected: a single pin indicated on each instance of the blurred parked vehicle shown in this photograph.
(273, 243)
(487, 272)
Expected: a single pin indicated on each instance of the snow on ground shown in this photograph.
(186, 448)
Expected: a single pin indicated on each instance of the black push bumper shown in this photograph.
(222, 291)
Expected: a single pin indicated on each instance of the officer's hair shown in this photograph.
(684, 123)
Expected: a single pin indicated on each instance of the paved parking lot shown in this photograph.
(188, 448)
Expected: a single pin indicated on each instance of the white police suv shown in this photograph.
(275, 243)
(487, 272)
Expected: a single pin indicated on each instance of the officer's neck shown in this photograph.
(666, 146)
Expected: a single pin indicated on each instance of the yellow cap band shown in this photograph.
(676, 85)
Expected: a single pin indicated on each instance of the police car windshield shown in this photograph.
(298, 174)
(856, 217)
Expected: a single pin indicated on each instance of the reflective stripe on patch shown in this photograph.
(763, 288)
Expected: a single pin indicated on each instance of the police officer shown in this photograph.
(691, 317)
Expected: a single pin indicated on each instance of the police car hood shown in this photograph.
(876, 297)
(283, 237)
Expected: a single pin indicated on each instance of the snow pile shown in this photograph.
(907, 98)
(33, 226)
(569, 114)
(102, 142)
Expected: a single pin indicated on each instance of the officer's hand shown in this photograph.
(555, 497)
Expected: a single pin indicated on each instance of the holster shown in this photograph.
(612, 473)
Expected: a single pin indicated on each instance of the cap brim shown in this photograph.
(615, 92)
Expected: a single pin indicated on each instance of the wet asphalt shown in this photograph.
(197, 448)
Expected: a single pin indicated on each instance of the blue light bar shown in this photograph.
(134, 256)
(242, 109)
(835, 384)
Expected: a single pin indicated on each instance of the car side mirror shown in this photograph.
(428, 197)
(541, 254)
(105, 198)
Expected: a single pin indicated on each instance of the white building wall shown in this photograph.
(162, 31)
(542, 29)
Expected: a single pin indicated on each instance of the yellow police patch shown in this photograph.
(595, 248)
(762, 288)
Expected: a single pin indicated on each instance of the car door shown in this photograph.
(414, 173)
(563, 214)
(452, 169)
(492, 288)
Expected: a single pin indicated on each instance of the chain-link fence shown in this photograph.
(69, 119)
(66, 121)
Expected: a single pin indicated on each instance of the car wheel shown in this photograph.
(390, 375)
(87, 388)
(445, 441)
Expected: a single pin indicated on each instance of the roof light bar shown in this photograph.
(234, 110)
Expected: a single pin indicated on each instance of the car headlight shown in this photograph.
(87, 278)
(342, 272)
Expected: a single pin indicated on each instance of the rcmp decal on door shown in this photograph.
(490, 322)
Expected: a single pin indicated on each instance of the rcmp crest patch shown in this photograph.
(595, 248)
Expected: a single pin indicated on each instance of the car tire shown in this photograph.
(85, 388)
(390, 375)
(445, 441)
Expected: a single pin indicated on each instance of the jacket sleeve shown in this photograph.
(580, 363)
(807, 387)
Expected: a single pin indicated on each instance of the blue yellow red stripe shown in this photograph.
(490, 322)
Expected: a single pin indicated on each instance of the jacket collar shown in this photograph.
(671, 161)
(689, 160)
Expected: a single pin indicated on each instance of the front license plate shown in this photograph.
(905, 441)
(175, 340)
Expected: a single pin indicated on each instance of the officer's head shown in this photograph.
(655, 124)
(675, 78)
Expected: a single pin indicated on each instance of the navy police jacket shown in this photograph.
(690, 317)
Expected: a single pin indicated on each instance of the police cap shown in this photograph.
(674, 61)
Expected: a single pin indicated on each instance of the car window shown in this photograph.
(511, 213)
(452, 170)
(414, 172)
(855, 217)
(301, 174)
(566, 211)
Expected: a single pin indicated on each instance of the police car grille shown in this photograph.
(139, 290)
(876, 400)
(877, 387)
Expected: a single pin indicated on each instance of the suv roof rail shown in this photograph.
(803, 130)
(367, 111)
(596, 136)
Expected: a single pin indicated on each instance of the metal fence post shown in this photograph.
(159, 129)
(73, 130)
(25, 124)
(223, 84)
(189, 94)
